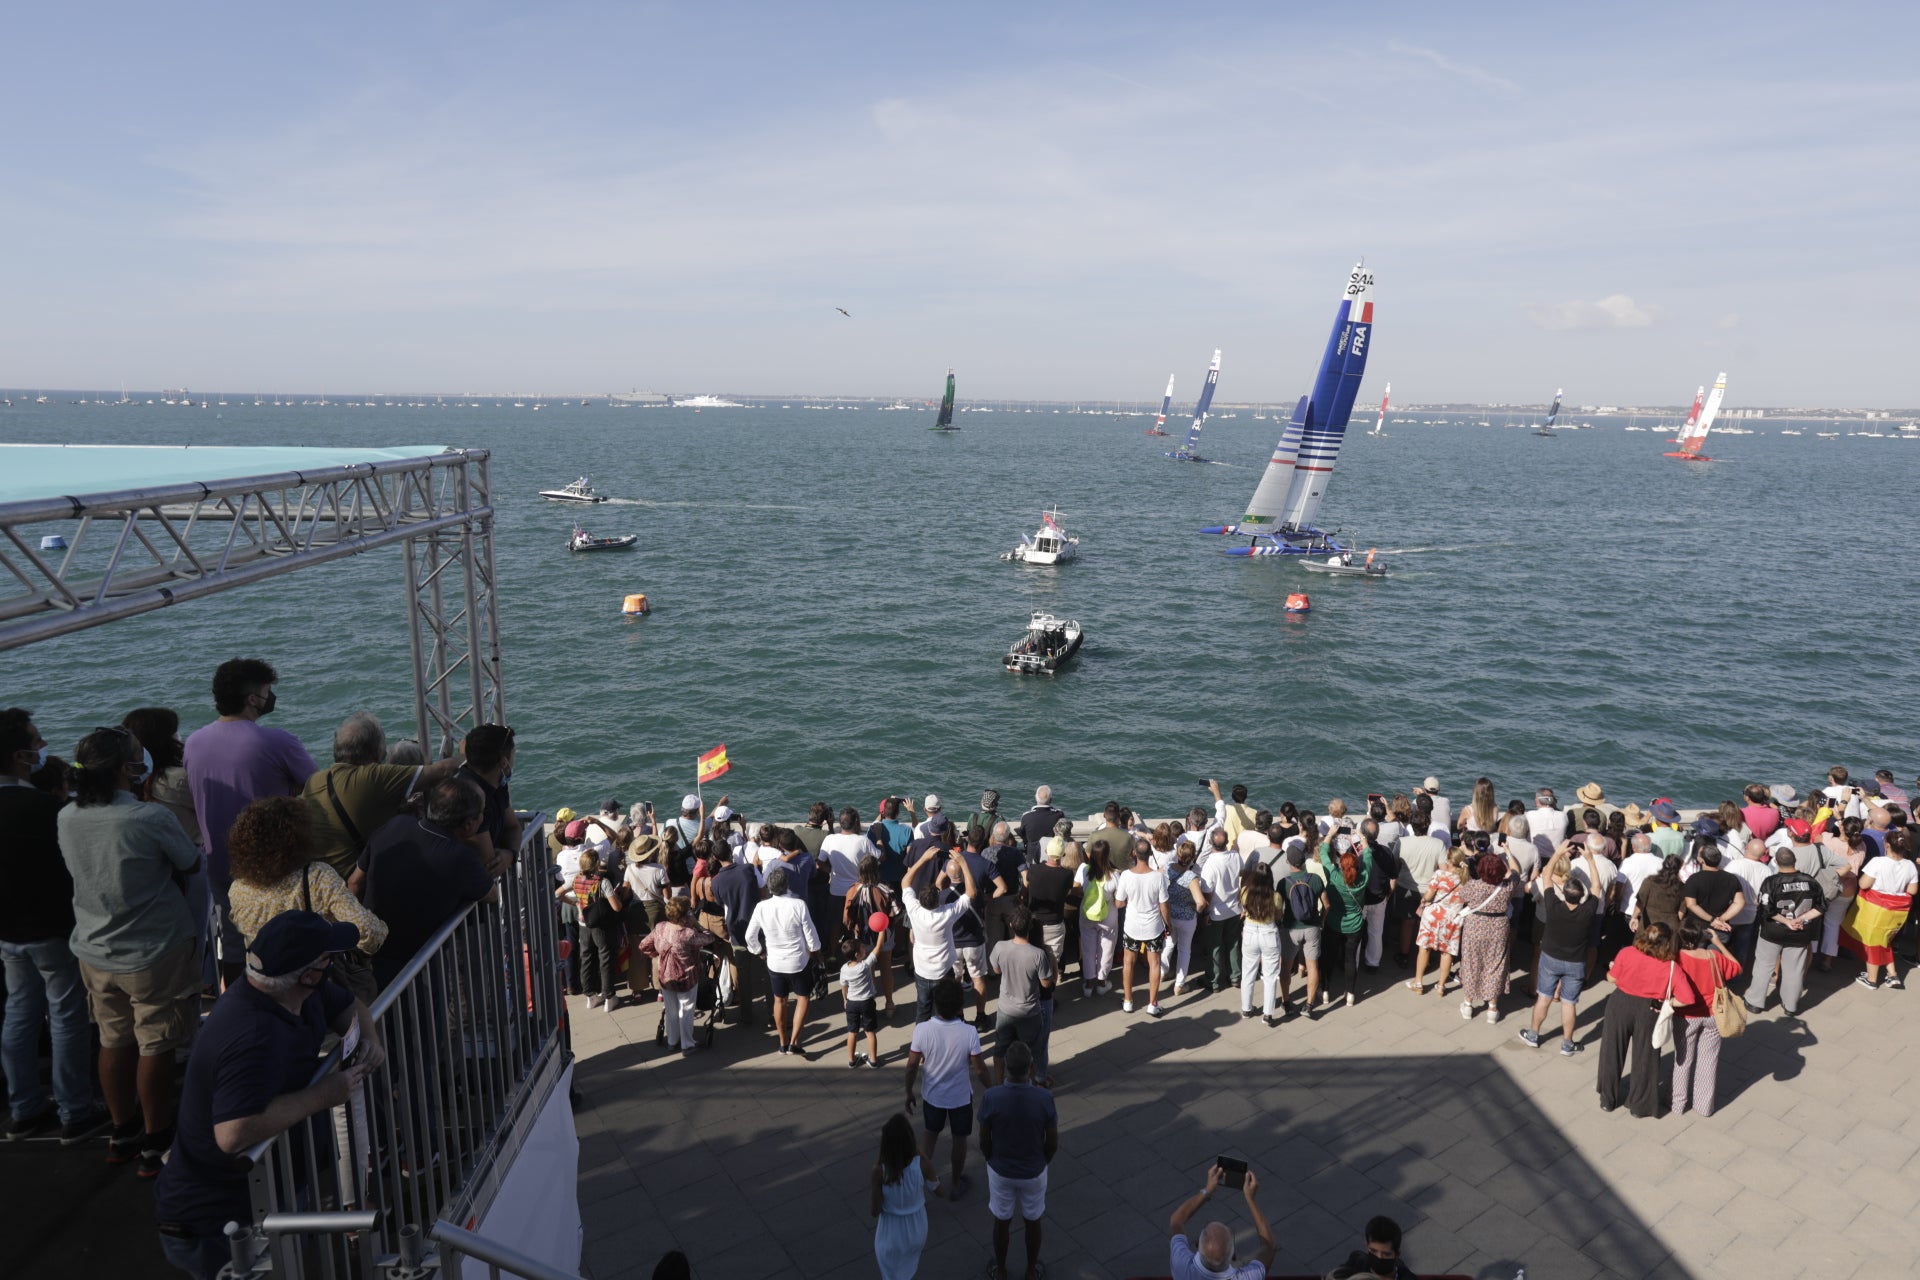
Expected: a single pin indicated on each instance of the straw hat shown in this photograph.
(1591, 793)
(1635, 817)
(644, 849)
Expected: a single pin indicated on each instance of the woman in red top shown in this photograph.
(1641, 975)
(1696, 1038)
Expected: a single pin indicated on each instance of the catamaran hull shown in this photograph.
(1293, 542)
(1690, 457)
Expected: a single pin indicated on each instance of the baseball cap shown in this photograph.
(610, 807)
(933, 803)
(564, 815)
(1431, 784)
(1800, 827)
(293, 940)
(1665, 811)
(689, 801)
(1706, 828)
(576, 830)
(722, 813)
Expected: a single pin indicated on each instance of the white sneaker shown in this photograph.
(1349, 999)
(1154, 1011)
(1466, 1010)
(1126, 1006)
(1493, 1014)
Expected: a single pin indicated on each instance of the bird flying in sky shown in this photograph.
(843, 311)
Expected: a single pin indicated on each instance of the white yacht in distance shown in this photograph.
(580, 490)
(1051, 545)
(706, 402)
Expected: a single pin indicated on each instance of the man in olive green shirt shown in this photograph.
(357, 794)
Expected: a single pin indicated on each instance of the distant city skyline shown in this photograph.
(1621, 202)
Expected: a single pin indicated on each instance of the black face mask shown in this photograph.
(268, 703)
(1381, 1266)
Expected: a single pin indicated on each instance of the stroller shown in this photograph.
(706, 1002)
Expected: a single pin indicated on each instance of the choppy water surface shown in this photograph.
(830, 604)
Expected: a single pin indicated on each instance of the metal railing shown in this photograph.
(457, 1243)
(471, 1026)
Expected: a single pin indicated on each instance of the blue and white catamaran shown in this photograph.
(1279, 520)
(1553, 417)
(1159, 427)
(1185, 452)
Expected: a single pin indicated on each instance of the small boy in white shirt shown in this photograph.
(857, 985)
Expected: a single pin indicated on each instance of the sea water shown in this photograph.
(829, 602)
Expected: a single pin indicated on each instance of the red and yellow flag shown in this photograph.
(712, 764)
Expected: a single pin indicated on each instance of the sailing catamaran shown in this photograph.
(945, 421)
(1699, 422)
(1185, 452)
(1379, 424)
(1553, 416)
(1279, 519)
(1166, 402)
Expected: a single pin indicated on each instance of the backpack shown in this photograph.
(601, 912)
(1097, 904)
(1825, 874)
(675, 971)
(1303, 900)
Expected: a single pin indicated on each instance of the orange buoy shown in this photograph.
(1298, 603)
(636, 604)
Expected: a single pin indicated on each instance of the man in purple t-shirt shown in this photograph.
(233, 762)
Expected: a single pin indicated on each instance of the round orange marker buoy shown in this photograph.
(1298, 603)
(636, 604)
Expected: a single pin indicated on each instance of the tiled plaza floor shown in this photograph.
(1491, 1155)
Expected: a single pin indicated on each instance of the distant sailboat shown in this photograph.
(1553, 416)
(1699, 422)
(1166, 403)
(1185, 452)
(1279, 519)
(945, 421)
(1380, 423)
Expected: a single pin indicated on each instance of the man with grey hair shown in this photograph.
(1215, 1259)
(1546, 823)
(781, 930)
(1753, 869)
(1037, 823)
(359, 793)
(1791, 905)
(417, 873)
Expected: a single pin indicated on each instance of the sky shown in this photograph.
(1060, 201)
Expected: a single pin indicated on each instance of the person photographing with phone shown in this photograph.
(1215, 1258)
(247, 1080)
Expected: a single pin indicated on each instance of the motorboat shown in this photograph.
(1342, 566)
(584, 541)
(580, 490)
(1047, 644)
(1050, 545)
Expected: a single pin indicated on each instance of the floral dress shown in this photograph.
(1440, 918)
(1483, 942)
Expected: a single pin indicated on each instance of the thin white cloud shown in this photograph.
(1615, 311)
(1466, 71)
(1731, 320)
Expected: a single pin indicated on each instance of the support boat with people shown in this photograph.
(1049, 545)
(1047, 645)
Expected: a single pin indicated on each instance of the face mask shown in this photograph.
(146, 767)
(272, 701)
(1381, 1266)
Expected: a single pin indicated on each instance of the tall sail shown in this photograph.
(1553, 414)
(1693, 416)
(946, 404)
(1200, 408)
(1380, 423)
(1331, 403)
(1166, 403)
(1694, 434)
(1296, 476)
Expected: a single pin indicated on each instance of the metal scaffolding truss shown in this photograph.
(77, 562)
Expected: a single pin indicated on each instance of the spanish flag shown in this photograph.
(713, 764)
(1871, 922)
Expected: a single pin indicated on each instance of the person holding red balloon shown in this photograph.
(860, 957)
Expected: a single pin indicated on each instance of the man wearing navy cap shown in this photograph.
(247, 1081)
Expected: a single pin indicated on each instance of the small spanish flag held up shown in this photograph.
(712, 764)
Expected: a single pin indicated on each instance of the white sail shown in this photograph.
(1696, 430)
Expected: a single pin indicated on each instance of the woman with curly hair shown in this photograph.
(1483, 932)
(271, 850)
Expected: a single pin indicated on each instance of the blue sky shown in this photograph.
(1061, 201)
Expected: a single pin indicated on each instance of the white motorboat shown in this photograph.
(584, 541)
(1050, 545)
(1047, 645)
(580, 490)
(1342, 565)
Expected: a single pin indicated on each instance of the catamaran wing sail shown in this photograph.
(1695, 433)
(1200, 409)
(1166, 403)
(1380, 423)
(1296, 477)
(946, 404)
(1553, 414)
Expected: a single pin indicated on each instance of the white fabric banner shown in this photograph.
(537, 1209)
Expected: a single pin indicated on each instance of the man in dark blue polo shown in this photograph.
(247, 1081)
(737, 890)
(418, 873)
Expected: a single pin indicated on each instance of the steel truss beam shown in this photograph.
(139, 550)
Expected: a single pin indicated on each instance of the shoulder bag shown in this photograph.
(1663, 1021)
(351, 969)
(1729, 1012)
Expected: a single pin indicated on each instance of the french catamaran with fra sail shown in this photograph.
(1185, 453)
(1279, 520)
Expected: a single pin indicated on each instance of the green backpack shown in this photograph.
(1097, 904)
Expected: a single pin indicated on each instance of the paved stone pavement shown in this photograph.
(1491, 1155)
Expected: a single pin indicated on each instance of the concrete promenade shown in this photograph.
(1492, 1155)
